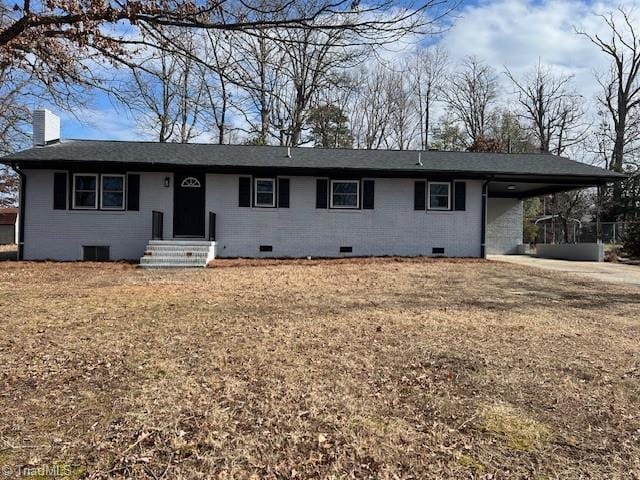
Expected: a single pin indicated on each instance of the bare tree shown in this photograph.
(258, 67)
(19, 91)
(384, 109)
(550, 107)
(165, 92)
(569, 207)
(152, 95)
(53, 39)
(9, 187)
(427, 71)
(370, 117)
(81, 20)
(14, 111)
(402, 112)
(12, 134)
(555, 117)
(312, 61)
(470, 93)
(58, 45)
(572, 127)
(216, 81)
(621, 90)
(620, 97)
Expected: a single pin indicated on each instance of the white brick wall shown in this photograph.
(504, 225)
(392, 228)
(60, 234)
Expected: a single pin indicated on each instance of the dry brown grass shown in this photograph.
(365, 369)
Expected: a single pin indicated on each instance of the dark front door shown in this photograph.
(188, 205)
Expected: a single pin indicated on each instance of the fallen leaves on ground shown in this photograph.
(380, 368)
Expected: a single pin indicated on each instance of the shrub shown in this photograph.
(529, 231)
(632, 240)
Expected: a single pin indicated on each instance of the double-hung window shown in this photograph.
(92, 191)
(439, 196)
(265, 195)
(112, 192)
(345, 194)
(85, 191)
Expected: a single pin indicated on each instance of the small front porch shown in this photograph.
(179, 252)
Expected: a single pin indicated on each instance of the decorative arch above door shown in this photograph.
(190, 182)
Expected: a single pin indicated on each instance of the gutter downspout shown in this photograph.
(23, 191)
(483, 239)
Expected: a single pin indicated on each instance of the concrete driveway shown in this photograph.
(608, 272)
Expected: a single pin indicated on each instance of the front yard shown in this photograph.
(365, 369)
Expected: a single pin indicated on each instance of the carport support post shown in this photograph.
(22, 211)
(483, 240)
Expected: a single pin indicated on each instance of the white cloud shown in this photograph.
(519, 33)
(101, 123)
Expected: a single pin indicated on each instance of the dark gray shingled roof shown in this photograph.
(208, 155)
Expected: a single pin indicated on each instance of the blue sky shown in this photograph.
(511, 33)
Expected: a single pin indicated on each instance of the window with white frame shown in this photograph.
(265, 195)
(439, 196)
(345, 193)
(85, 191)
(112, 192)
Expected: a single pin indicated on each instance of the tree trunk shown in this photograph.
(617, 159)
(426, 120)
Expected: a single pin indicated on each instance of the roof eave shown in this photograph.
(592, 179)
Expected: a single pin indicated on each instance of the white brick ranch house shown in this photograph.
(183, 204)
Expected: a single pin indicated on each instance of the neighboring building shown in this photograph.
(8, 225)
(85, 199)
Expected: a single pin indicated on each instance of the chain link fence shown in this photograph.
(553, 231)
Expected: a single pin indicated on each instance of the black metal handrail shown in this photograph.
(157, 225)
(212, 227)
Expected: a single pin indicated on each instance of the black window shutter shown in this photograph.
(60, 191)
(368, 189)
(283, 192)
(322, 191)
(420, 195)
(70, 188)
(244, 192)
(133, 192)
(460, 192)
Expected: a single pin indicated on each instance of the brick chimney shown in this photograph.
(46, 128)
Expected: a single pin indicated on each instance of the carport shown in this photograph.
(506, 193)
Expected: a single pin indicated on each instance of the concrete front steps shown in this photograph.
(178, 254)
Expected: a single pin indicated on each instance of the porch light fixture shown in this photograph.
(511, 187)
(167, 180)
